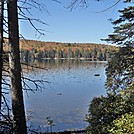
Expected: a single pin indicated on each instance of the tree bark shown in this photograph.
(15, 70)
(1, 47)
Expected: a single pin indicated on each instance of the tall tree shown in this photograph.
(120, 70)
(120, 81)
(1, 46)
(15, 70)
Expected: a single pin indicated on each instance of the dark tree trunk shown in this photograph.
(15, 70)
(1, 47)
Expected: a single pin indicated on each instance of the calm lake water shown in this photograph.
(66, 98)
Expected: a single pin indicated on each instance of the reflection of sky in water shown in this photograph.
(67, 97)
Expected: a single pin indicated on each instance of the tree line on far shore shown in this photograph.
(31, 50)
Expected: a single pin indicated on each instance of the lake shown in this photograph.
(65, 97)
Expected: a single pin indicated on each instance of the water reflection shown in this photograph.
(63, 63)
(66, 98)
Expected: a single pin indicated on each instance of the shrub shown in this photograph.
(123, 125)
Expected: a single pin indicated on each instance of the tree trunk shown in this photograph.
(15, 70)
(1, 47)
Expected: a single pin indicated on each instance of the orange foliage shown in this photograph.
(41, 46)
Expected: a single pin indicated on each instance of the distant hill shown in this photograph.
(39, 45)
(40, 50)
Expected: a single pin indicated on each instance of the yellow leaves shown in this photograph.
(123, 125)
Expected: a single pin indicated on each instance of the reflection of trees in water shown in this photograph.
(51, 64)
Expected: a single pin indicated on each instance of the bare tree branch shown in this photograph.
(109, 7)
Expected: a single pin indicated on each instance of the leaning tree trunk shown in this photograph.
(1, 47)
(15, 70)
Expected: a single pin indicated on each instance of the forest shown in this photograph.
(110, 114)
(31, 50)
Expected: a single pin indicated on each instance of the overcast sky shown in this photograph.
(79, 25)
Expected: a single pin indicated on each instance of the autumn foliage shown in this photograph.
(32, 49)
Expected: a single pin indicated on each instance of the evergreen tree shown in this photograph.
(120, 69)
(15, 70)
(120, 81)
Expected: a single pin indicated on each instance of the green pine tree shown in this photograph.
(120, 69)
(105, 113)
